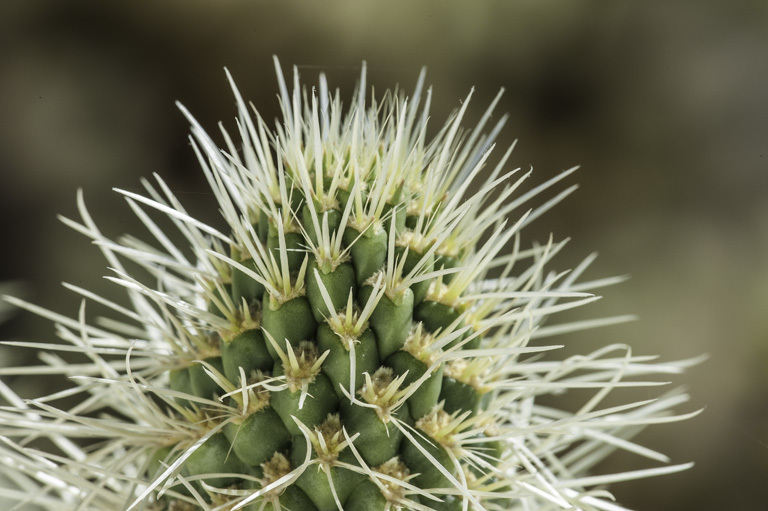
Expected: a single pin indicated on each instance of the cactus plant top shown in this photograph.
(367, 333)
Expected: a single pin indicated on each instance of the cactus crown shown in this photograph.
(359, 339)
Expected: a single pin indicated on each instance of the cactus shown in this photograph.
(363, 336)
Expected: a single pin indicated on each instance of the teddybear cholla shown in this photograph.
(367, 335)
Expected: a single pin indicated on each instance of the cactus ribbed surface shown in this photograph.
(363, 336)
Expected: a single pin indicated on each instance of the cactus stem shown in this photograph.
(333, 395)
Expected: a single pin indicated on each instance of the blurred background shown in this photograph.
(664, 107)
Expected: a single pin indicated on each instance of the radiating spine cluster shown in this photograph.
(361, 339)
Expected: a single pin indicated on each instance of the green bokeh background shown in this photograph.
(664, 106)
